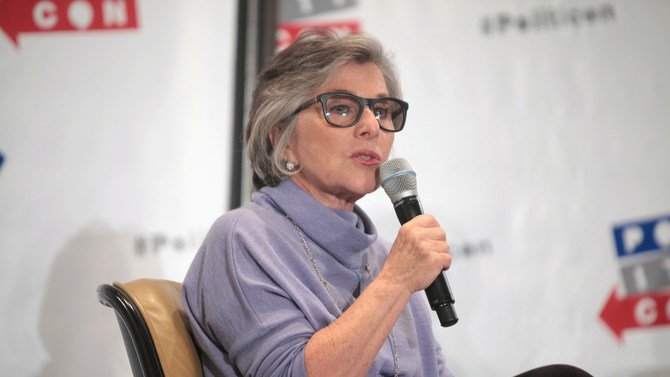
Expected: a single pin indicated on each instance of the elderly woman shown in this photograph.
(297, 282)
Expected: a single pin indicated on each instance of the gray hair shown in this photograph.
(293, 75)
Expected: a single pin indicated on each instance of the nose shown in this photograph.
(367, 125)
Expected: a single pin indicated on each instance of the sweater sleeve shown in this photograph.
(241, 304)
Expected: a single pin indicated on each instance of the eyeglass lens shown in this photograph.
(345, 110)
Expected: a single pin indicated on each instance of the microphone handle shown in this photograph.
(439, 292)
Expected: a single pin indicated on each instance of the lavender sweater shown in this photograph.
(254, 299)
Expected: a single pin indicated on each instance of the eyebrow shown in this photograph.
(380, 95)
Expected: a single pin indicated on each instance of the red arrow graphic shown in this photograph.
(636, 311)
(287, 32)
(46, 16)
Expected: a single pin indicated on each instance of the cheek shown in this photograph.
(388, 144)
(311, 147)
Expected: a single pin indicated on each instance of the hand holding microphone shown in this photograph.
(418, 237)
(419, 253)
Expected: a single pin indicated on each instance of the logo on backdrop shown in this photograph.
(167, 242)
(288, 32)
(643, 251)
(288, 28)
(49, 16)
(546, 18)
(471, 248)
(294, 9)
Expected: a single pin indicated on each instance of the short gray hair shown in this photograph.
(293, 75)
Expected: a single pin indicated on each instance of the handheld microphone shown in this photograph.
(399, 182)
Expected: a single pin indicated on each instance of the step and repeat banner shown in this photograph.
(540, 135)
(115, 124)
(539, 132)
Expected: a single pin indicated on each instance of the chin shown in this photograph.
(366, 189)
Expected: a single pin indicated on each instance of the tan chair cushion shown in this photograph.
(159, 301)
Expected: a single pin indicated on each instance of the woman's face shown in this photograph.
(338, 165)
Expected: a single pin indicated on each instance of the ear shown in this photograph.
(275, 133)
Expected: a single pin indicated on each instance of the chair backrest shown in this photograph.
(155, 329)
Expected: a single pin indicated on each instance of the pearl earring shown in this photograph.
(290, 166)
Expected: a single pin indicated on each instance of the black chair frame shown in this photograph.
(139, 344)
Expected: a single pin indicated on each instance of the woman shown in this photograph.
(297, 282)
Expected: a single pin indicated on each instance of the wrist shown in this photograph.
(392, 282)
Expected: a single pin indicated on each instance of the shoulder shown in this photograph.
(248, 219)
(237, 246)
(257, 232)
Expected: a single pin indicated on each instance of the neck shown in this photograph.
(327, 199)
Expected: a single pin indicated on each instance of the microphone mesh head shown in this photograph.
(398, 179)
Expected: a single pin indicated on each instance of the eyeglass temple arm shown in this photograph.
(306, 105)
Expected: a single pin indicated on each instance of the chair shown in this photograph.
(154, 327)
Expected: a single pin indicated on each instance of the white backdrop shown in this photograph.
(539, 132)
(116, 161)
(532, 141)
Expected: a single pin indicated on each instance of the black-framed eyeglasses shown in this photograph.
(345, 110)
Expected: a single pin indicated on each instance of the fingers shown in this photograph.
(428, 226)
(438, 251)
(419, 253)
(425, 234)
